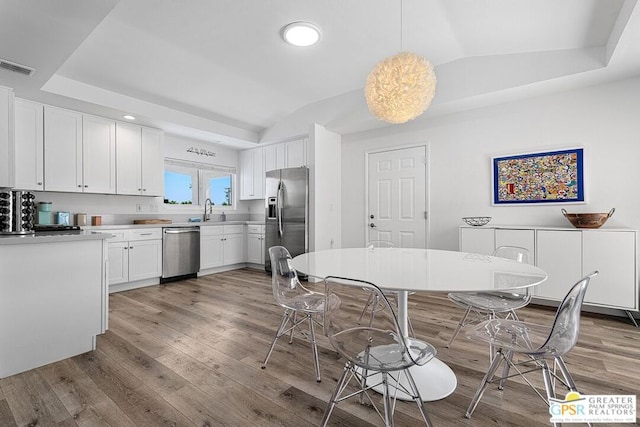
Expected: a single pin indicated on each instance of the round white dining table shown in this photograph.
(422, 270)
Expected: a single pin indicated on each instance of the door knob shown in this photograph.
(372, 225)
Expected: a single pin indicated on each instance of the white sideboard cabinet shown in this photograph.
(566, 255)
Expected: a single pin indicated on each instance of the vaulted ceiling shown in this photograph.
(219, 70)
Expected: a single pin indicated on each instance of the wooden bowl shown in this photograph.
(588, 220)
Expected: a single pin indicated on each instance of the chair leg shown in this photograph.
(336, 393)
(505, 369)
(460, 324)
(388, 408)
(548, 385)
(285, 319)
(366, 306)
(314, 347)
(418, 399)
(294, 319)
(565, 373)
(485, 382)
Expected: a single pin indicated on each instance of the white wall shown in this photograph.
(325, 180)
(602, 119)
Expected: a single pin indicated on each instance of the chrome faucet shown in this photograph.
(207, 212)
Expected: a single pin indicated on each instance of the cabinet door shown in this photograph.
(152, 162)
(98, 155)
(62, 150)
(274, 157)
(521, 238)
(128, 159)
(211, 250)
(296, 153)
(29, 148)
(7, 140)
(559, 254)
(252, 178)
(477, 240)
(613, 254)
(233, 249)
(118, 253)
(255, 251)
(145, 259)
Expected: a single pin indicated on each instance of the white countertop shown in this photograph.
(50, 238)
(98, 228)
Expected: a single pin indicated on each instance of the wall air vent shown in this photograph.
(16, 68)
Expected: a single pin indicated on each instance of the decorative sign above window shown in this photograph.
(549, 177)
(201, 152)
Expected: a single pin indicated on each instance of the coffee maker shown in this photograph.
(17, 212)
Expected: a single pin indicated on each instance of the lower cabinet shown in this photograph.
(221, 245)
(255, 244)
(567, 255)
(135, 255)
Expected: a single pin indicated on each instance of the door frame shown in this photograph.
(427, 147)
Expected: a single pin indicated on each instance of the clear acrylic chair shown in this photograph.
(539, 344)
(378, 354)
(389, 294)
(488, 305)
(300, 304)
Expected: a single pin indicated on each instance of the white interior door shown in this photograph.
(397, 182)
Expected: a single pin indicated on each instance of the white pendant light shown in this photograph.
(301, 34)
(400, 87)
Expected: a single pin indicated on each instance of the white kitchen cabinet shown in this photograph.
(613, 254)
(98, 155)
(517, 237)
(567, 255)
(7, 141)
(255, 244)
(134, 255)
(62, 150)
(79, 152)
(477, 240)
(29, 145)
(139, 160)
(221, 245)
(559, 254)
(296, 153)
(252, 177)
(275, 156)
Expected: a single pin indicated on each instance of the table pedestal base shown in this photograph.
(435, 380)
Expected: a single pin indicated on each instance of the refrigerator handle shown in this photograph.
(279, 203)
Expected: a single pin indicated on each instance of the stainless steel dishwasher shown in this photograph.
(180, 253)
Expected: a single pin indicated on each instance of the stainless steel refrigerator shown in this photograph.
(287, 211)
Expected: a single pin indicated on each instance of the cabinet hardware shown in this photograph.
(39, 183)
(130, 247)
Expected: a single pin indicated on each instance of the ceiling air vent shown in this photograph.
(16, 68)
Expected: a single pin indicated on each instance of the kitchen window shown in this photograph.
(189, 184)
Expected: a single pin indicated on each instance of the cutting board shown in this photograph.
(152, 221)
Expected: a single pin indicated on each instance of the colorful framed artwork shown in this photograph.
(548, 177)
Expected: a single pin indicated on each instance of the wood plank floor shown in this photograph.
(189, 353)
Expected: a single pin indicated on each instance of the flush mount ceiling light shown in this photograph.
(400, 87)
(301, 34)
(128, 117)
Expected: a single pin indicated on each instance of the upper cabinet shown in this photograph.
(7, 176)
(275, 157)
(139, 158)
(29, 149)
(252, 178)
(291, 154)
(79, 152)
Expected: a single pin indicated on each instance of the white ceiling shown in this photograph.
(219, 71)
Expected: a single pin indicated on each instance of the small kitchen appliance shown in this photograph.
(44, 213)
(17, 212)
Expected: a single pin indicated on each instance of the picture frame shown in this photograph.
(543, 177)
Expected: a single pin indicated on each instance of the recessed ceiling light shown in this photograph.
(128, 117)
(301, 34)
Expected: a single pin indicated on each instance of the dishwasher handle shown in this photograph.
(178, 231)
